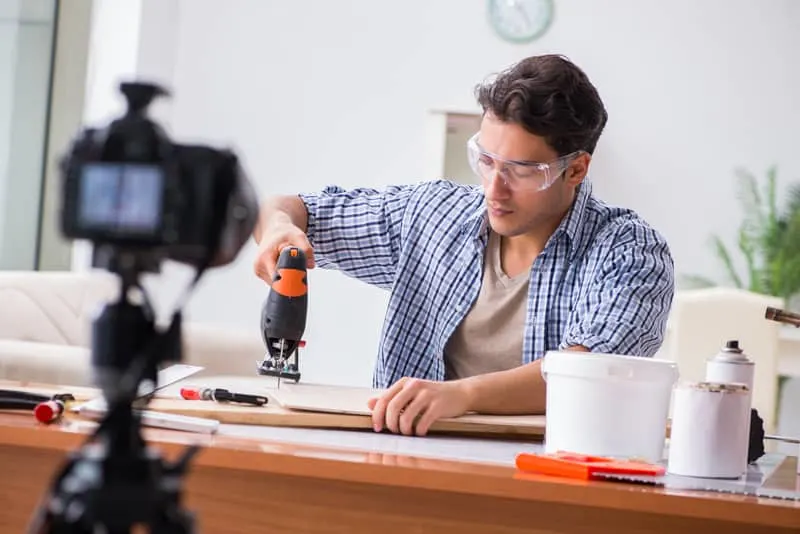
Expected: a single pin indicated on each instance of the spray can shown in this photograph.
(732, 366)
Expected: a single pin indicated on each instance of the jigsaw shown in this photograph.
(283, 316)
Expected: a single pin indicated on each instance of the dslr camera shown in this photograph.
(130, 188)
(140, 199)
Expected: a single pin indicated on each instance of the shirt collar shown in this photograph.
(571, 225)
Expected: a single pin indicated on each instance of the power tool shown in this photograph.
(283, 316)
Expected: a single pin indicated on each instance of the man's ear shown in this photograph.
(578, 168)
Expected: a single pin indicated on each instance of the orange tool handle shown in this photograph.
(584, 467)
(290, 273)
(535, 463)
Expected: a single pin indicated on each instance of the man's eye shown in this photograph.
(486, 160)
(526, 172)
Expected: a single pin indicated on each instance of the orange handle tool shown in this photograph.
(570, 465)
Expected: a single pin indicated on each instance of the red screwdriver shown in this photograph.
(222, 395)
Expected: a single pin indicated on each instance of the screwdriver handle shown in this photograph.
(222, 395)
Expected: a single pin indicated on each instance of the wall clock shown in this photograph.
(520, 21)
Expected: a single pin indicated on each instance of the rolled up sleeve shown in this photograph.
(626, 303)
(358, 231)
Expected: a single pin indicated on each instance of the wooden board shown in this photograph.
(326, 406)
(302, 405)
(325, 398)
(354, 401)
(272, 414)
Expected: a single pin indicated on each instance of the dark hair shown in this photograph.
(550, 97)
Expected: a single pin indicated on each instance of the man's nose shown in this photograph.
(496, 185)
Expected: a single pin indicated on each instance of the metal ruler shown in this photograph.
(750, 484)
(166, 377)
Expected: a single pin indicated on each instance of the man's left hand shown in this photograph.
(412, 405)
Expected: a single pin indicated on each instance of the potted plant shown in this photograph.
(768, 240)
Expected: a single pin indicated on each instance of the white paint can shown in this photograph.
(607, 404)
(709, 435)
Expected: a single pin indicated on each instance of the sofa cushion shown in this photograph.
(44, 362)
(56, 308)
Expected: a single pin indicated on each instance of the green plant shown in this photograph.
(768, 239)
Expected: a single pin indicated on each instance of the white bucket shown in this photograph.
(607, 404)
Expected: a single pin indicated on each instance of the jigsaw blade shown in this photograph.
(281, 361)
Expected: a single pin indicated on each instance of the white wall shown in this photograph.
(320, 92)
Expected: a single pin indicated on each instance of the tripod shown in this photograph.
(115, 483)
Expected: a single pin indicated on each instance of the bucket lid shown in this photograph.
(605, 366)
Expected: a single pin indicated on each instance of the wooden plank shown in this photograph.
(325, 398)
(314, 405)
(273, 414)
(305, 406)
(354, 401)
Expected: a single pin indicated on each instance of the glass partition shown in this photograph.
(27, 32)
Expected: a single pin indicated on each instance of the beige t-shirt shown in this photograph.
(490, 337)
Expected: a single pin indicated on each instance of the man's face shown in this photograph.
(513, 209)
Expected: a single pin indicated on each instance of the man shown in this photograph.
(485, 280)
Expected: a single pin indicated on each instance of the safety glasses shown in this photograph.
(517, 175)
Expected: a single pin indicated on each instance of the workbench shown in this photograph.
(266, 479)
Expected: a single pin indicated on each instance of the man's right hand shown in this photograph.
(278, 236)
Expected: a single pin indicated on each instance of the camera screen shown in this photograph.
(121, 197)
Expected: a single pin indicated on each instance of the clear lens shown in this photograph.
(515, 174)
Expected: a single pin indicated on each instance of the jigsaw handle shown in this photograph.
(283, 316)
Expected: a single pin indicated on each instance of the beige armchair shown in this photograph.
(45, 330)
(703, 320)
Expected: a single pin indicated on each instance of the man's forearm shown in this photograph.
(521, 390)
(289, 208)
(516, 391)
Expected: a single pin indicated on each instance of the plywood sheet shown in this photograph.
(527, 427)
(270, 414)
(319, 398)
(328, 406)
(303, 405)
(354, 401)
(325, 398)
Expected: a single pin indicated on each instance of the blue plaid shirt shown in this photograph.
(605, 279)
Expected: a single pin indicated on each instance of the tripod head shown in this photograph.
(139, 199)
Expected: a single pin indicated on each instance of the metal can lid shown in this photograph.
(732, 353)
(732, 345)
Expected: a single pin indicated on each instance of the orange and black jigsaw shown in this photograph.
(283, 317)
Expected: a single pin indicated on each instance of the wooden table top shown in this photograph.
(488, 480)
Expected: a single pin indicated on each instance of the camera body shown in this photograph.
(130, 187)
